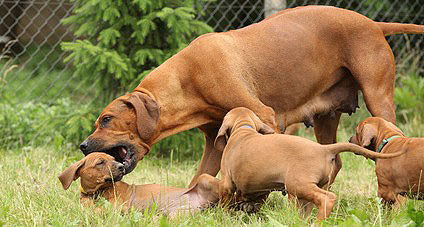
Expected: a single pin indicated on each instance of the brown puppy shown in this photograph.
(101, 174)
(400, 176)
(254, 164)
(306, 64)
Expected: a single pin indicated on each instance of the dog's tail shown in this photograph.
(399, 28)
(350, 147)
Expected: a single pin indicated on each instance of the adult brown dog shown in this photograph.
(101, 174)
(303, 64)
(398, 177)
(253, 164)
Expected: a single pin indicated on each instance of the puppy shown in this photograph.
(253, 164)
(100, 176)
(398, 177)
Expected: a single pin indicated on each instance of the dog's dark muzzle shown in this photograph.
(122, 152)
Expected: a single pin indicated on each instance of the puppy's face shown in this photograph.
(97, 171)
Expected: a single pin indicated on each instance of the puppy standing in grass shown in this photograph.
(399, 176)
(254, 164)
(101, 174)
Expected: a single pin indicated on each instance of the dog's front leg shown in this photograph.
(211, 158)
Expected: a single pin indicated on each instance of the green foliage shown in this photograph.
(121, 41)
(188, 144)
(409, 96)
(58, 124)
(417, 216)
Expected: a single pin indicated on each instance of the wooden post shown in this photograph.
(273, 6)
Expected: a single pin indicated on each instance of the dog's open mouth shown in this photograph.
(123, 154)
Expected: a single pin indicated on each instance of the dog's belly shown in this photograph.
(251, 191)
(299, 78)
(338, 95)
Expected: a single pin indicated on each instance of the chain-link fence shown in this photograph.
(231, 14)
(31, 61)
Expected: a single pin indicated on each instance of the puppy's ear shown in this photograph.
(261, 127)
(70, 174)
(147, 113)
(222, 136)
(368, 134)
(265, 129)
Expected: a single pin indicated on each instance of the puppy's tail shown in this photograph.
(399, 28)
(350, 147)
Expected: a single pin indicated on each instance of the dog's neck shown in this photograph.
(385, 134)
(181, 107)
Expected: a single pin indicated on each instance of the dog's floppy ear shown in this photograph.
(222, 136)
(368, 134)
(261, 127)
(147, 113)
(265, 129)
(70, 174)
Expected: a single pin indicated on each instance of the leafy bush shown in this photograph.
(29, 123)
(121, 41)
(409, 96)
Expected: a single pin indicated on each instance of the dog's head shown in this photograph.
(236, 118)
(96, 170)
(125, 129)
(368, 131)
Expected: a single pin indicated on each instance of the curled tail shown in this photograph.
(350, 147)
(399, 28)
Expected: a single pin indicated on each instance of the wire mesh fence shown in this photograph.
(31, 61)
(231, 14)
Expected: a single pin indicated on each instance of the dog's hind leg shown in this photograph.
(304, 206)
(326, 133)
(324, 200)
(226, 192)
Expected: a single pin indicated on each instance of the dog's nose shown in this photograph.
(350, 140)
(120, 167)
(83, 147)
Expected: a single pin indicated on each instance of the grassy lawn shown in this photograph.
(31, 194)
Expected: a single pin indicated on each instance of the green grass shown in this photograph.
(31, 194)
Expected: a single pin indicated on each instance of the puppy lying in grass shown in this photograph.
(100, 176)
(397, 177)
(254, 164)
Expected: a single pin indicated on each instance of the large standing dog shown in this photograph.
(300, 65)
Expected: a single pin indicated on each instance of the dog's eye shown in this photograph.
(100, 162)
(106, 120)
